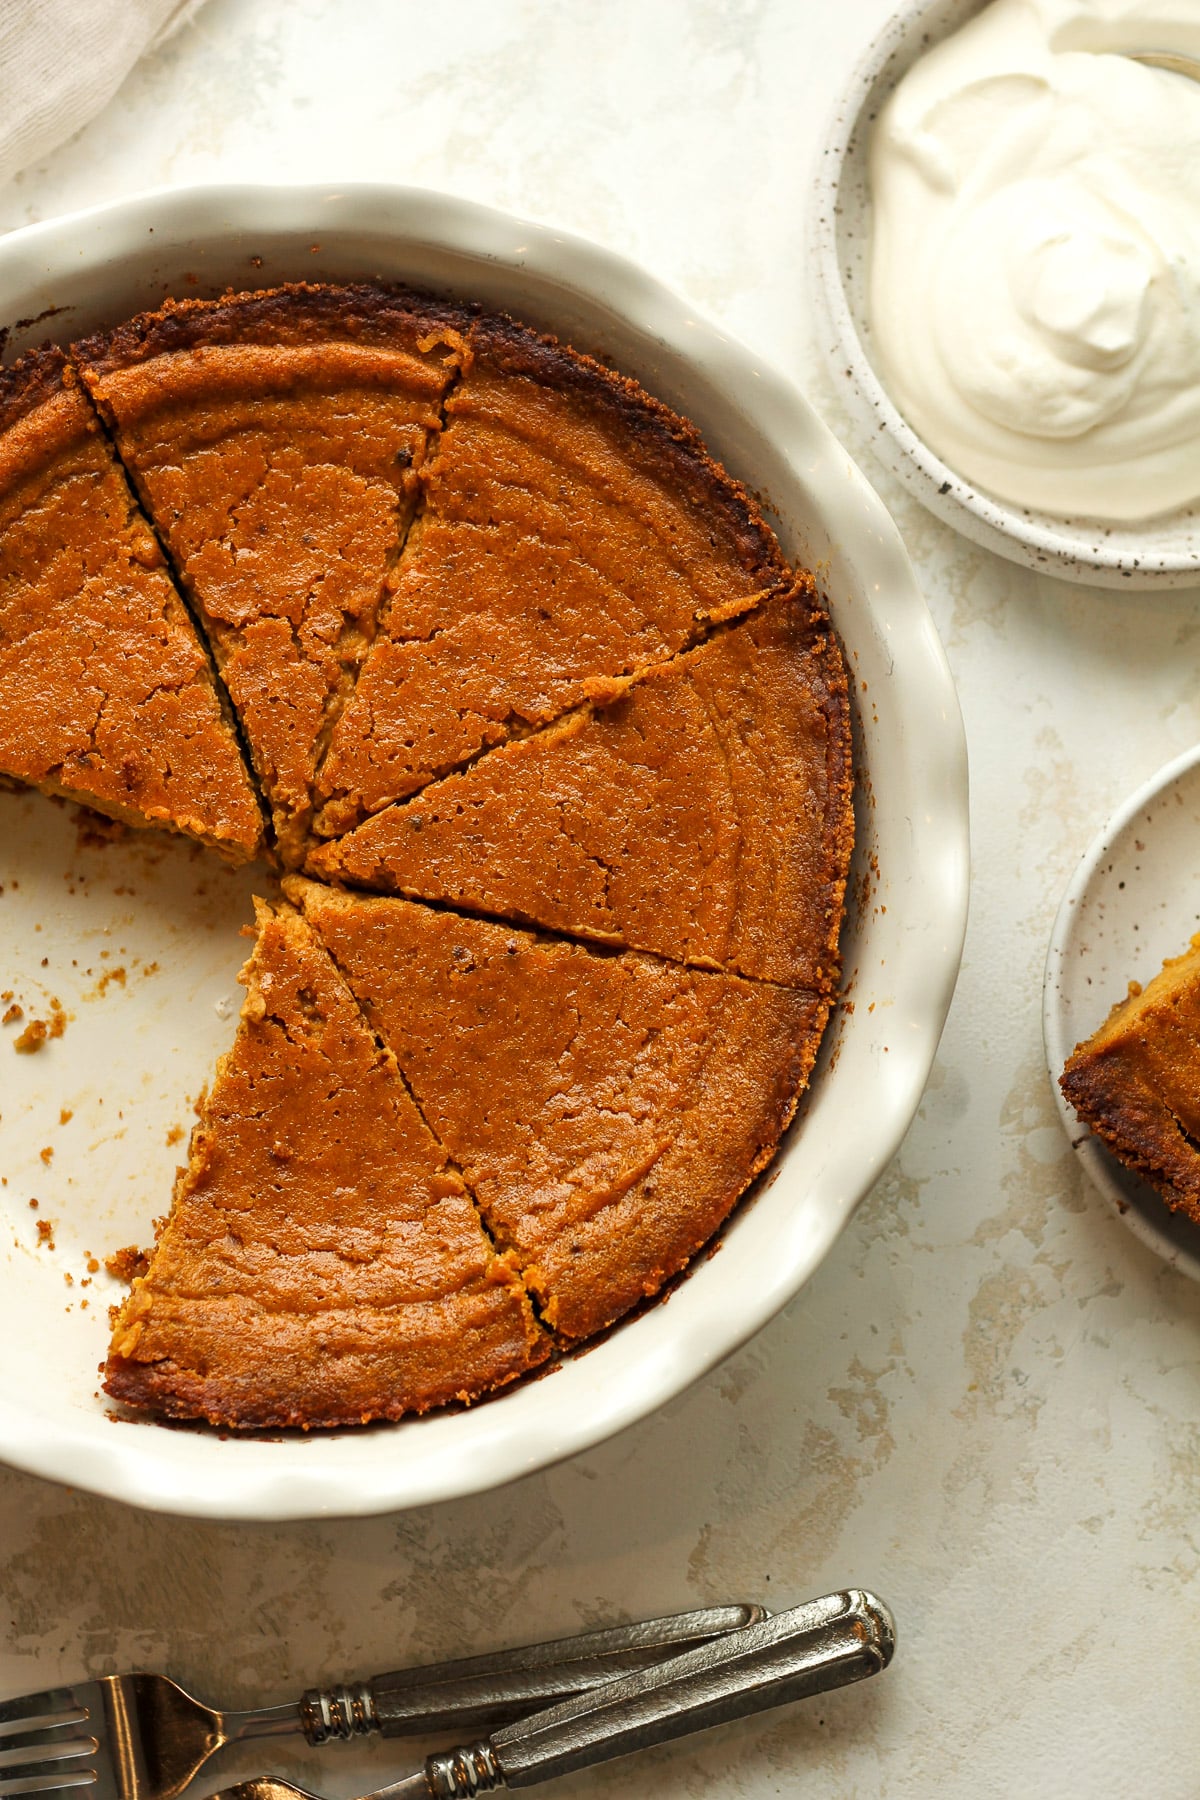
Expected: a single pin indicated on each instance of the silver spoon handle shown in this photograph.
(825, 1644)
(482, 1691)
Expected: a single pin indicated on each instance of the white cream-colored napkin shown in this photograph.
(62, 60)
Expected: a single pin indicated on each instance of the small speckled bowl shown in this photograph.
(1163, 552)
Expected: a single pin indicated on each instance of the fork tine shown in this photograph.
(15, 1775)
(56, 1740)
(38, 1781)
(52, 1703)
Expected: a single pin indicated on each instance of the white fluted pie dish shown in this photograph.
(137, 941)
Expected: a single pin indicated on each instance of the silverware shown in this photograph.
(141, 1737)
(826, 1644)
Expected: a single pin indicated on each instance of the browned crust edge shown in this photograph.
(29, 382)
(520, 350)
(296, 312)
(1136, 1124)
(829, 665)
(175, 1393)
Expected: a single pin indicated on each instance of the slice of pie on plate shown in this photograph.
(1136, 1081)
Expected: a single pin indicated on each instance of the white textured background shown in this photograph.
(987, 1403)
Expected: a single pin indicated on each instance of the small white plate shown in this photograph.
(1134, 901)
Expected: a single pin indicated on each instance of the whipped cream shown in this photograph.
(1034, 291)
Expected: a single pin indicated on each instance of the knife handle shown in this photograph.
(825, 1644)
(482, 1691)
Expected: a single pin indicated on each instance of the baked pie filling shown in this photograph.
(475, 634)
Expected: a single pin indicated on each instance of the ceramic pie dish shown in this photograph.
(1163, 552)
(136, 942)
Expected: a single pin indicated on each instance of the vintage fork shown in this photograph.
(824, 1644)
(141, 1737)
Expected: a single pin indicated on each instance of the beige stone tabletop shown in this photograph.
(986, 1405)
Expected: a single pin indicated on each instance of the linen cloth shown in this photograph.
(62, 60)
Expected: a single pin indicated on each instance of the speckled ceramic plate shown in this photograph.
(1134, 901)
(138, 941)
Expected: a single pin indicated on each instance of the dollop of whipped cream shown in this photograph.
(1034, 289)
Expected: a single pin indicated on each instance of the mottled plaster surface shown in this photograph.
(987, 1402)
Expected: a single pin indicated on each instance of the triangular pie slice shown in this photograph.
(275, 440)
(323, 1263)
(573, 532)
(106, 692)
(1136, 1081)
(706, 815)
(607, 1110)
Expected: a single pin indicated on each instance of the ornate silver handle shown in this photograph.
(826, 1644)
(490, 1690)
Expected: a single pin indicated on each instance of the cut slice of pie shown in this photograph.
(1136, 1081)
(275, 439)
(323, 1263)
(106, 691)
(607, 1110)
(573, 532)
(706, 815)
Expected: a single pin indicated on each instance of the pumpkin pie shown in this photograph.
(323, 1262)
(704, 815)
(606, 1110)
(508, 648)
(1136, 1081)
(107, 695)
(276, 440)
